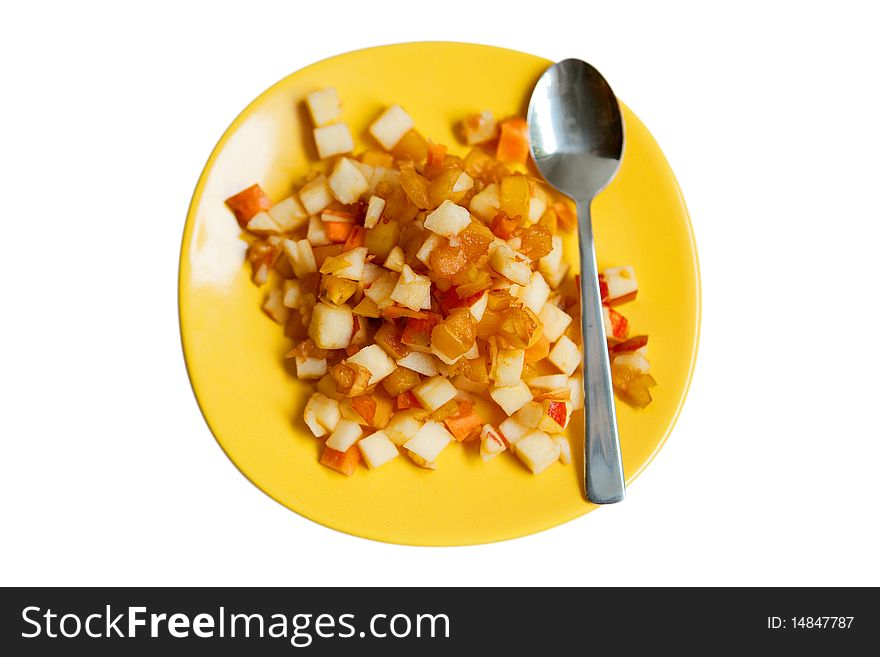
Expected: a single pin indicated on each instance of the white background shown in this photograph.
(768, 113)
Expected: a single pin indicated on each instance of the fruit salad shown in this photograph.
(427, 297)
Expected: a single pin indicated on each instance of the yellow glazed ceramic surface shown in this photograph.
(234, 352)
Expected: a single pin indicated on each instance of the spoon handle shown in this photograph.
(603, 470)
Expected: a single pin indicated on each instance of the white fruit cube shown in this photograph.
(380, 291)
(348, 265)
(347, 182)
(289, 214)
(434, 392)
(321, 414)
(317, 233)
(549, 382)
(391, 126)
(377, 449)
(478, 307)
(448, 219)
(292, 294)
(424, 252)
(310, 368)
(513, 431)
(479, 128)
(576, 392)
(530, 415)
(634, 360)
(621, 282)
(486, 203)
(431, 439)
(419, 362)
(507, 367)
(535, 294)
(374, 211)
(404, 425)
(333, 140)
(348, 413)
(463, 183)
(565, 355)
(491, 442)
(374, 359)
(537, 205)
(337, 216)
(511, 398)
(550, 263)
(315, 195)
(564, 448)
(383, 174)
(510, 264)
(263, 224)
(555, 280)
(331, 326)
(555, 320)
(301, 257)
(371, 273)
(344, 435)
(324, 106)
(537, 451)
(556, 416)
(412, 290)
(275, 308)
(395, 260)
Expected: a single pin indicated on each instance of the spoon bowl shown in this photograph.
(577, 140)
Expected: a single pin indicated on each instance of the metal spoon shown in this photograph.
(577, 142)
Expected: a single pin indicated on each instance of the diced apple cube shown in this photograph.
(324, 106)
(550, 263)
(347, 182)
(555, 417)
(486, 203)
(374, 211)
(513, 431)
(564, 448)
(576, 392)
(479, 128)
(404, 425)
(537, 204)
(621, 282)
(317, 233)
(310, 368)
(463, 183)
(565, 355)
(511, 398)
(535, 294)
(377, 449)
(380, 291)
(391, 126)
(321, 414)
(275, 308)
(616, 325)
(375, 360)
(333, 140)
(548, 382)
(331, 326)
(431, 439)
(434, 392)
(263, 224)
(513, 266)
(292, 294)
(372, 273)
(555, 280)
(448, 219)
(478, 307)
(344, 435)
(555, 321)
(395, 260)
(383, 174)
(424, 252)
(412, 290)
(463, 383)
(537, 451)
(301, 257)
(491, 443)
(315, 195)
(634, 360)
(507, 367)
(419, 362)
(530, 415)
(348, 265)
(289, 214)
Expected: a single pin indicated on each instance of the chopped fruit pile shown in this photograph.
(424, 291)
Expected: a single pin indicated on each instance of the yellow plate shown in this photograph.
(234, 352)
